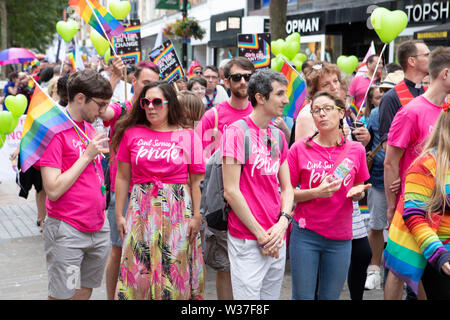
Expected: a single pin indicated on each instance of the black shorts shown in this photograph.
(26, 180)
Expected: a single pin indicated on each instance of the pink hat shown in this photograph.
(194, 65)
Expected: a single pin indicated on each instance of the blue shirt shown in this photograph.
(377, 173)
(6, 92)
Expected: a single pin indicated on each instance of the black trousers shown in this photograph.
(357, 273)
(436, 285)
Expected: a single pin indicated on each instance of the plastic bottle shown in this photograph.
(100, 128)
(342, 170)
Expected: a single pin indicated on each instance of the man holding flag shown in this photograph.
(76, 233)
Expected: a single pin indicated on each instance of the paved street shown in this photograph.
(23, 274)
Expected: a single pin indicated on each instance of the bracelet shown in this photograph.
(286, 215)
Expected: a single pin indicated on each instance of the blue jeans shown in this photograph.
(317, 261)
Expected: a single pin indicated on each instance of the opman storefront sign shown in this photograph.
(305, 24)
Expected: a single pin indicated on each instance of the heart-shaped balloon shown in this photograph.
(119, 9)
(100, 44)
(301, 57)
(276, 64)
(293, 37)
(2, 139)
(6, 120)
(16, 104)
(290, 49)
(388, 24)
(347, 64)
(14, 124)
(277, 46)
(67, 29)
(107, 56)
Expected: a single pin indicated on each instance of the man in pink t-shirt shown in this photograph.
(237, 73)
(259, 215)
(411, 126)
(145, 73)
(76, 233)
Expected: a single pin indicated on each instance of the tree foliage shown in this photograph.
(32, 24)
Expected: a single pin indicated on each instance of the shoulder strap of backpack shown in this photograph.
(275, 132)
(216, 122)
(247, 138)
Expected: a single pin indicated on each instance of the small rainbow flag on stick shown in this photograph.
(296, 91)
(112, 27)
(44, 120)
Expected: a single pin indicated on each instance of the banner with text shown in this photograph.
(7, 167)
(255, 47)
(128, 44)
(167, 61)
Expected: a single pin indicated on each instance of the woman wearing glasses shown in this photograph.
(161, 255)
(331, 171)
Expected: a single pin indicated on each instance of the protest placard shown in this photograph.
(255, 47)
(167, 61)
(128, 44)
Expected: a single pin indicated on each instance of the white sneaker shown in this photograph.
(373, 280)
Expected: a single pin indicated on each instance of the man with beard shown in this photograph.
(237, 73)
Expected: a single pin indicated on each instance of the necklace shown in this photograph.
(102, 186)
(325, 148)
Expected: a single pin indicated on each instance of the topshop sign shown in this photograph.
(434, 11)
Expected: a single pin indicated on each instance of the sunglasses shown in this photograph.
(238, 76)
(157, 103)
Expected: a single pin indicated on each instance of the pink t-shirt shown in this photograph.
(155, 156)
(329, 217)
(358, 88)
(411, 126)
(117, 108)
(226, 116)
(259, 177)
(82, 205)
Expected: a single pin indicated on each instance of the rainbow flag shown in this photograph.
(44, 120)
(112, 27)
(354, 108)
(71, 57)
(296, 91)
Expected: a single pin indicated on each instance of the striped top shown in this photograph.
(431, 233)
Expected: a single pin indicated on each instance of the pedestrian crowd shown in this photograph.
(206, 170)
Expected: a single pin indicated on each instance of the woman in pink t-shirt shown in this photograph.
(330, 171)
(161, 255)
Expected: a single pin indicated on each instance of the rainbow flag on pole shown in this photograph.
(296, 91)
(44, 120)
(113, 28)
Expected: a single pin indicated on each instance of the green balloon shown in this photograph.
(107, 56)
(13, 126)
(301, 57)
(277, 46)
(6, 120)
(119, 9)
(347, 64)
(100, 44)
(276, 64)
(290, 49)
(388, 24)
(67, 29)
(2, 139)
(293, 37)
(16, 104)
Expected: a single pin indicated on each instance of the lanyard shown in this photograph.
(211, 102)
(85, 143)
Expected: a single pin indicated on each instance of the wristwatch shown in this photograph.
(286, 215)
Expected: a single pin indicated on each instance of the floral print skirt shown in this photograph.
(158, 262)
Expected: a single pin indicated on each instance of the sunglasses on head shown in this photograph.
(238, 76)
(157, 103)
